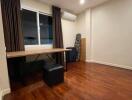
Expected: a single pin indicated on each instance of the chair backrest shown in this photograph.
(77, 45)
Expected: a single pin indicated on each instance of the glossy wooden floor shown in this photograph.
(83, 81)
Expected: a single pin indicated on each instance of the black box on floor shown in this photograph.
(53, 74)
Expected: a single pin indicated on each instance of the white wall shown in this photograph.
(112, 32)
(4, 82)
(36, 5)
(83, 26)
(69, 32)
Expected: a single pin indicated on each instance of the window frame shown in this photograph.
(39, 45)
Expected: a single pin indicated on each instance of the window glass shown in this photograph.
(46, 34)
(29, 27)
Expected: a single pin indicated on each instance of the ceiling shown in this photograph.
(74, 5)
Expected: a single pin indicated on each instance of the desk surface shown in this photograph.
(34, 52)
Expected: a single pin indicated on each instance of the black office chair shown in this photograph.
(74, 54)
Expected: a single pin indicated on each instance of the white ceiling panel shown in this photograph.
(74, 5)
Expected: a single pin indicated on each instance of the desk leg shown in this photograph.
(65, 62)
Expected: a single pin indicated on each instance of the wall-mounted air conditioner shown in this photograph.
(68, 16)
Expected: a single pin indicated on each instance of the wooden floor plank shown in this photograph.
(83, 81)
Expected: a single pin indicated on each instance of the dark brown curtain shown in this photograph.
(12, 33)
(57, 33)
(12, 25)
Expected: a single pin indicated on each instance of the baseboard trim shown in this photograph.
(110, 64)
(4, 92)
(89, 61)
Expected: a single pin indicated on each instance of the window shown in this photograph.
(29, 27)
(46, 35)
(37, 28)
